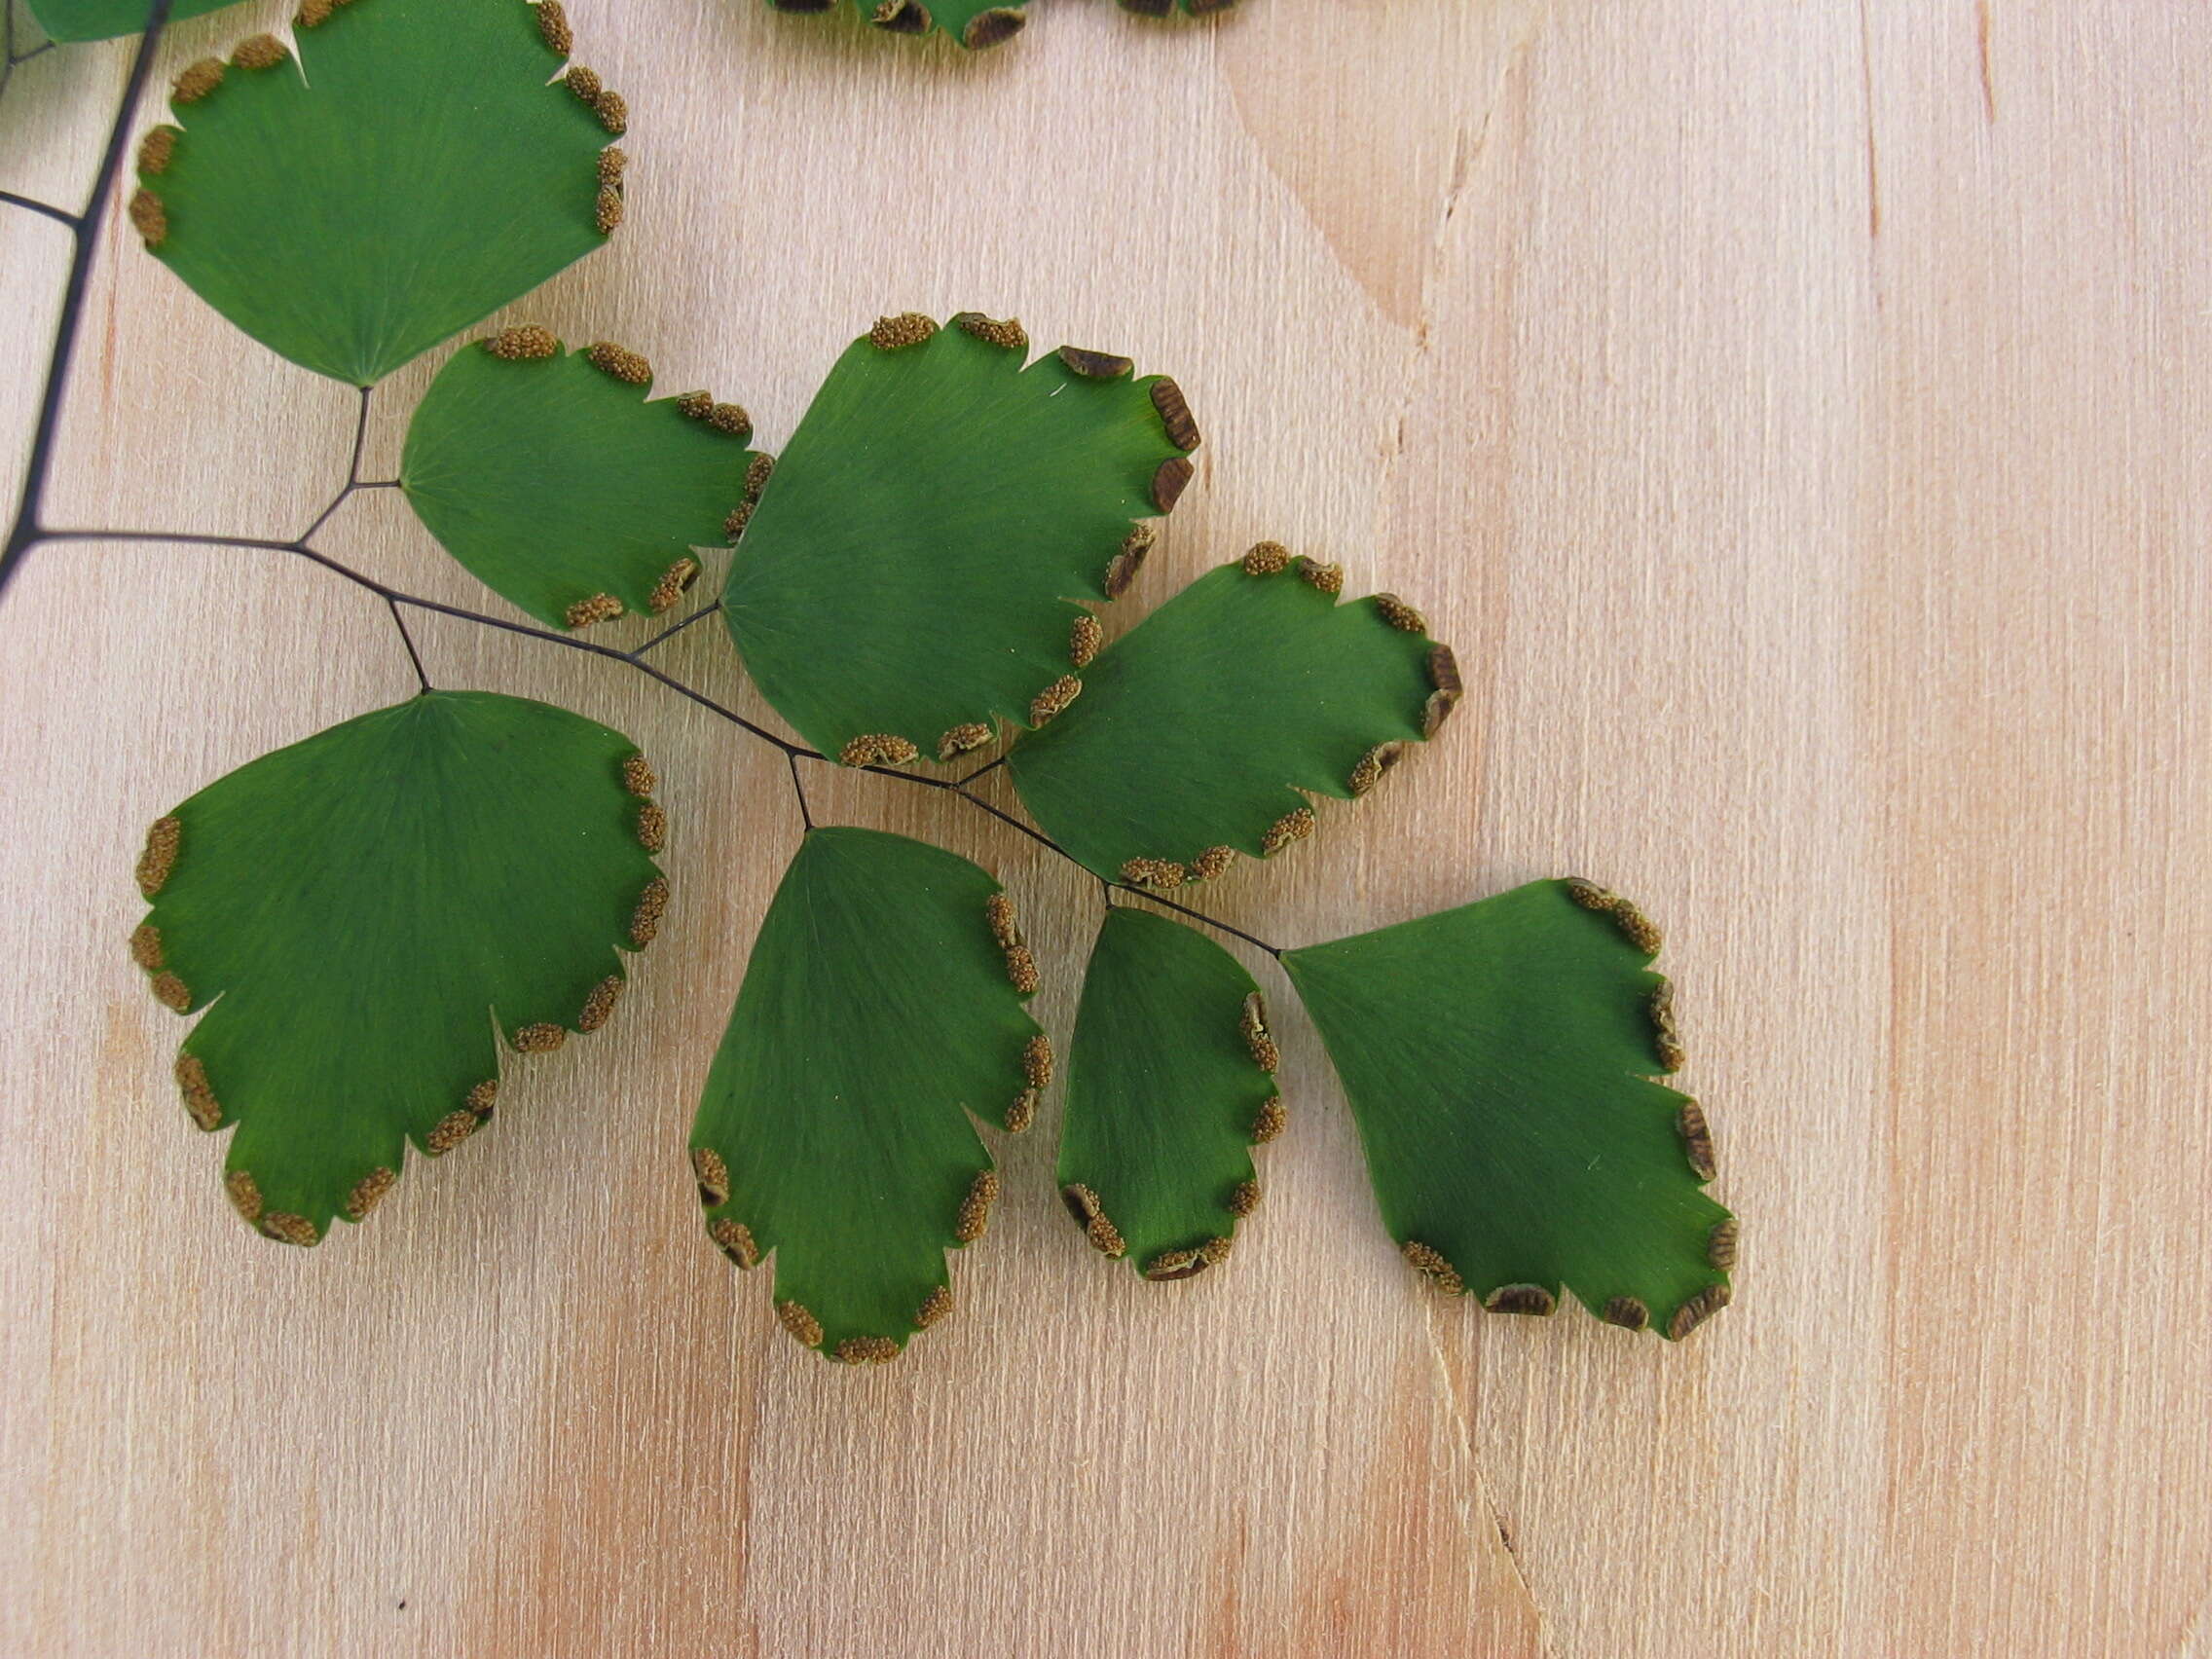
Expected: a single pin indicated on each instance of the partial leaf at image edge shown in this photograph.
(555, 482)
(1170, 1084)
(911, 574)
(882, 1005)
(362, 914)
(1498, 1059)
(973, 23)
(413, 172)
(1169, 8)
(72, 20)
(1197, 732)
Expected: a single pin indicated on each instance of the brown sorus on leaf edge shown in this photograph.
(1174, 414)
(734, 1240)
(935, 1306)
(1009, 334)
(963, 739)
(200, 1102)
(1720, 1242)
(1122, 569)
(804, 1327)
(1697, 1140)
(645, 920)
(1399, 614)
(1254, 1026)
(1530, 1299)
(155, 863)
(901, 16)
(157, 149)
(975, 1217)
(553, 28)
(623, 364)
(1169, 481)
(289, 1228)
(711, 1175)
(1432, 1265)
(1095, 365)
(198, 80)
(1270, 1121)
(1697, 1311)
(523, 343)
(898, 333)
(990, 27)
(878, 748)
(600, 1005)
(368, 1191)
(1627, 1312)
(1328, 578)
(1054, 699)
(259, 51)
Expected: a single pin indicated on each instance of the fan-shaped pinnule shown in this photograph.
(882, 1005)
(1499, 1061)
(410, 175)
(912, 571)
(550, 476)
(105, 20)
(1199, 730)
(1170, 1084)
(363, 913)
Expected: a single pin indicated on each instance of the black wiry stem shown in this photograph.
(25, 532)
(8, 35)
(1200, 916)
(408, 639)
(58, 215)
(9, 55)
(352, 475)
(793, 752)
(675, 628)
(798, 790)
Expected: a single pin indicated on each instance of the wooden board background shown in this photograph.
(1796, 415)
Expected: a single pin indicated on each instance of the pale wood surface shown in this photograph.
(1796, 415)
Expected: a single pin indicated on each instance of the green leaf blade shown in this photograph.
(71, 20)
(410, 175)
(1168, 1091)
(361, 914)
(1197, 731)
(877, 1005)
(1498, 1058)
(913, 567)
(557, 484)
